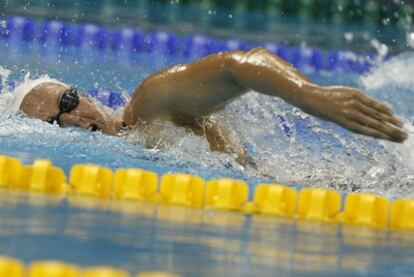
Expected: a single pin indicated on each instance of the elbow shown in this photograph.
(238, 62)
(235, 59)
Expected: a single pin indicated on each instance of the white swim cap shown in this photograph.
(23, 89)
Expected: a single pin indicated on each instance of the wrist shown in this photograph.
(312, 97)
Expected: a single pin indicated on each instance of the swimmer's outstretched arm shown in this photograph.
(186, 93)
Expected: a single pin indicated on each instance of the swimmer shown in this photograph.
(187, 95)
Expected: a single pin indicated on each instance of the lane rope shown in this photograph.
(275, 200)
(96, 37)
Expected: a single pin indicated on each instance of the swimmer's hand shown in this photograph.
(354, 111)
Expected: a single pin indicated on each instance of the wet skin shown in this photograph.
(43, 102)
(187, 94)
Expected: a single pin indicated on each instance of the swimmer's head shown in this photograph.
(56, 102)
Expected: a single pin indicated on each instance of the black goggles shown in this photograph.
(68, 102)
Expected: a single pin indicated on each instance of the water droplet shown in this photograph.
(349, 36)
(410, 40)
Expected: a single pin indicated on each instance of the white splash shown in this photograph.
(381, 48)
(4, 76)
(397, 71)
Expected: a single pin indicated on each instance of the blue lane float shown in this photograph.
(108, 97)
(126, 39)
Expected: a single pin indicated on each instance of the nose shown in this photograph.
(91, 116)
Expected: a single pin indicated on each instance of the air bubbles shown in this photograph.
(386, 21)
(349, 37)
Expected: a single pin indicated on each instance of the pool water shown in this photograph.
(140, 237)
(301, 151)
(209, 17)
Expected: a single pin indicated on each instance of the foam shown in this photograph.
(397, 71)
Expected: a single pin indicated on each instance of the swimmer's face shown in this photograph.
(43, 102)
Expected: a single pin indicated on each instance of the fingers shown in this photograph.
(375, 118)
(383, 129)
(365, 130)
(393, 119)
(374, 104)
(364, 115)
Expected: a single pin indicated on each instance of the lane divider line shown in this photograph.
(275, 200)
(62, 34)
